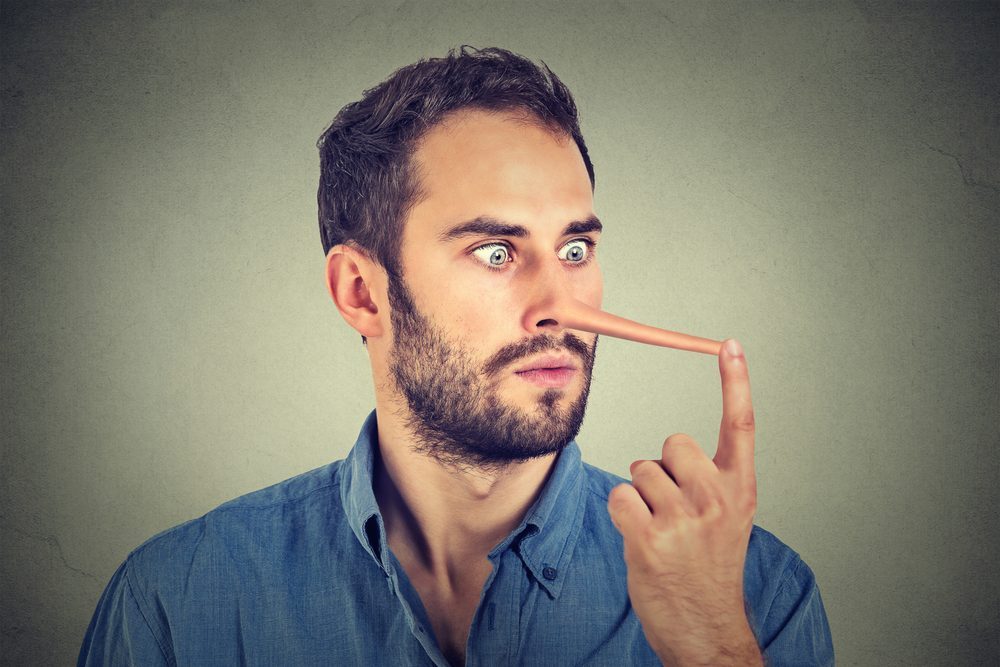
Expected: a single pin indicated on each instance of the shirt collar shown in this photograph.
(544, 540)
(358, 495)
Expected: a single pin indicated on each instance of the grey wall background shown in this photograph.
(819, 180)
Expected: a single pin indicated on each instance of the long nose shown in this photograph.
(553, 308)
(577, 315)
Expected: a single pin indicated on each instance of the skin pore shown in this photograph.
(504, 231)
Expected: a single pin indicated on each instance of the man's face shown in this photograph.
(481, 298)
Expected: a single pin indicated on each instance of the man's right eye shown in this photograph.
(493, 255)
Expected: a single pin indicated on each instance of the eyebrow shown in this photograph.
(485, 225)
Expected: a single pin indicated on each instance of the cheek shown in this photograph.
(589, 288)
(485, 315)
(473, 307)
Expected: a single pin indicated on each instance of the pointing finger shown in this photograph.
(736, 433)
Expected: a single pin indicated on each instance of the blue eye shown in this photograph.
(575, 252)
(493, 254)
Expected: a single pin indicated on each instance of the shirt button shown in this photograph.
(550, 573)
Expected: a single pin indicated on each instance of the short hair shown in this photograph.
(367, 185)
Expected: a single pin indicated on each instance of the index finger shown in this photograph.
(736, 433)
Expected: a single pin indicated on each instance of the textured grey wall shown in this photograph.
(818, 180)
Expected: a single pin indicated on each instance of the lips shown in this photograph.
(551, 370)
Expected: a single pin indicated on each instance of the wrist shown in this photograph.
(733, 647)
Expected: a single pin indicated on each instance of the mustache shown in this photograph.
(531, 346)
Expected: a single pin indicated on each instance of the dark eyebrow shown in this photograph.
(591, 224)
(485, 225)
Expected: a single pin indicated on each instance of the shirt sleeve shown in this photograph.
(795, 630)
(120, 632)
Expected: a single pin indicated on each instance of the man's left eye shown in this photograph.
(575, 251)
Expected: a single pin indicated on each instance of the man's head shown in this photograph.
(456, 282)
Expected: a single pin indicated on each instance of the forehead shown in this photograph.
(498, 164)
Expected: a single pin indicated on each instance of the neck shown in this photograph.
(441, 518)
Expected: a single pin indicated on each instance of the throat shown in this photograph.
(450, 603)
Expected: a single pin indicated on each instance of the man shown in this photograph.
(456, 210)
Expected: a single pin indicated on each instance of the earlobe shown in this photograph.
(349, 278)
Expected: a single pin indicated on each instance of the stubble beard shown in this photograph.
(456, 413)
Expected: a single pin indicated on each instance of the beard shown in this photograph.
(456, 413)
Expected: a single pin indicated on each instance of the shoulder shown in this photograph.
(242, 527)
(600, 482)
(785, 607)
(768, 556)
(182, 586)
(772, 569)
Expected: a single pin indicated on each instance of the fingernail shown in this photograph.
(734, 348)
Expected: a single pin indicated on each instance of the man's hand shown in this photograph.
(686, 522)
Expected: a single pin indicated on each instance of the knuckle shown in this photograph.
(748, 504)
(660, 538)
(712, 511)
(678, 439)
(645, 469)
(616, 498)
(743, 422)
(651, 534)
(679, 443)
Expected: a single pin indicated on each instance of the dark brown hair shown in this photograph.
(366, 185)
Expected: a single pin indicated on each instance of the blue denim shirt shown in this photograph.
(300, 574)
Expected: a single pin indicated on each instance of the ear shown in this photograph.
(350, 277)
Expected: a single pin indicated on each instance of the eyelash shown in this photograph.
(591, 247)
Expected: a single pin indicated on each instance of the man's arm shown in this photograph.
(119, 632)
